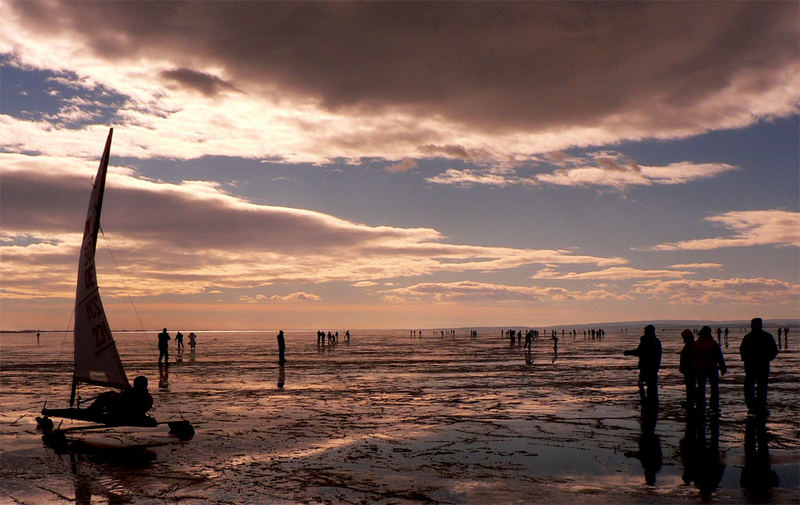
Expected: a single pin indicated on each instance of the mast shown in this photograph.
(96, 358)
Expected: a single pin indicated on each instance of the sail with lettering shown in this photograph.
(96, 358)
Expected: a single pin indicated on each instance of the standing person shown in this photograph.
(785, 338)
(179, 340)
(281, 348)
(757, 350)
(192, 340)
(686, 368)
(649, 353)
(163, 346)
(708, 365)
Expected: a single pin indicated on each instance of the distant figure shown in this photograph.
(786, 338)
(347, 337)
(528, 339)
(719, 336)
(726, 338)
(37, 338)
(649, 353)
(163, 346)
(129, 406)
(757, 350)
(686, 368)
(708, 365)
(179, 340)
(192, 340)
(281, 348)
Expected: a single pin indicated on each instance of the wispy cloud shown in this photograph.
(481, 292)
(751, 228)
(612, 274)
(299, 296)
(735, 290)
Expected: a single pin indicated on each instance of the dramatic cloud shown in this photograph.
(193, 237)
(393, 79)
(751, 227)
(748, 291)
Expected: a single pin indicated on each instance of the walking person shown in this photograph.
(163, 346)
(179, 340)
(708, 365)
(686, 368)
(757, 349)
(649, 353)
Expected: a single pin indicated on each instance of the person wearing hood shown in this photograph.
(649, 353)
(757, 349)
(708, 365)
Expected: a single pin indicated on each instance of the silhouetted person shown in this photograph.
(179, 340)
(757, 350)
(708, 365)
(281, 348)
(163, 346)
(649, 353)
(786, 338)
(347, 337)
(780, 330)
(192, 340)
(37, 338)
(757, 478)
(129, 406)
(686, 368)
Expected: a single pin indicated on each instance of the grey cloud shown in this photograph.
(207, 84)
(531, 66)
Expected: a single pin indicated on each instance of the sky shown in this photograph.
(402, 165)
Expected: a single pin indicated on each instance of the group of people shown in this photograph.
(702, 363)
(332, 338)
(163, 344)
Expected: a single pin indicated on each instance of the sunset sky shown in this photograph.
(402, 165)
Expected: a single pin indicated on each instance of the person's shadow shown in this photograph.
(649, 453)
(758, 478)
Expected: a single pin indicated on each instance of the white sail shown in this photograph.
(96, 357)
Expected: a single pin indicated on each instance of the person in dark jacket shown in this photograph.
(281, 348)
(163, 346)
(649, 353)
(757, 349)
(708, 365)
(686, 368)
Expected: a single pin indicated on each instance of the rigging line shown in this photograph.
(119, 272)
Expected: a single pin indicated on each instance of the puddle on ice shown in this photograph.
(388, 419)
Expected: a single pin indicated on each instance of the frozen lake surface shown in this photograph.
(392, 419)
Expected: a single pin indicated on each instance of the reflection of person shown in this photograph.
(686, 367)
(710, 467)
(708, 365)
(128, 406)
(281, 348)
(281, 376)
(649, 353)
(649, 453)
(757, 476)
(757, 349)
(163, 346)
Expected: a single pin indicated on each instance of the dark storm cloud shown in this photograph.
(510, 66)
(207, 84)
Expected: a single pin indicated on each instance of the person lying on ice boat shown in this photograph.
(127, 407)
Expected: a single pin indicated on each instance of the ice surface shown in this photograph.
(384, 419)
